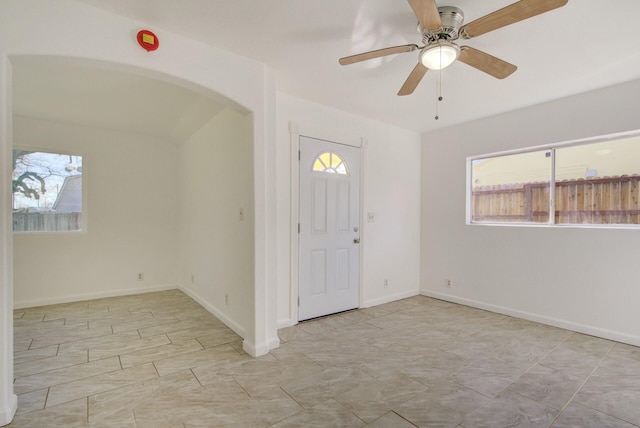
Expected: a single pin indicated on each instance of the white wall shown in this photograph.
(581, 279)
(8, 400)
(130, 213)
(390, 188)
(216, 244)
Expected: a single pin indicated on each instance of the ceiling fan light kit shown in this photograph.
(441, 26)
(439, 55)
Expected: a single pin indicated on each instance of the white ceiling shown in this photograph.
(89, 96)
(585, 45)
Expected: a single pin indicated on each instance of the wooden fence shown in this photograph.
(46, 222)
(606, 200)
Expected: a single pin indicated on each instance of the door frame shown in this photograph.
(295, 135)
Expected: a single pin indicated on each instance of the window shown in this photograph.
(580, 183)
(47, 191)
(606, 191)
(330, 162)
(511, 188)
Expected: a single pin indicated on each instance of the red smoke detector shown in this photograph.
(148, 40)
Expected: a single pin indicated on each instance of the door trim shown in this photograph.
(295, 134)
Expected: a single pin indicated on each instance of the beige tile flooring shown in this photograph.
(161, 360)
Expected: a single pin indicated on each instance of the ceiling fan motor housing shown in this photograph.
(452, 19)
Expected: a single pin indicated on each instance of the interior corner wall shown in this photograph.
(130, 213)
(8, 400)
(583, 279)
(217, 217)
(390, 189)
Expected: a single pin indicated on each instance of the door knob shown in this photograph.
(356, 240)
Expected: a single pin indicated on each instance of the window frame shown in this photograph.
(552, 183)
(84, 217)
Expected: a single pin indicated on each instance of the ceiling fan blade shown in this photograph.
(377, 54)
(515, 12)
(413, 80)
(485, 62)
(427, 13)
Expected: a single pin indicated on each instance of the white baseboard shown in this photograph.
(240, 331)
(542, 319)
(258, 350)
(273, 343)
(90, 296)
(289, 322)
(388, 299)
(286, 323)
(253, 350)
(8, 411)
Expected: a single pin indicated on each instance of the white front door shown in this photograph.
(329, 250)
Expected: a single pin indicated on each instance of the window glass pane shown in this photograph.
(511, 188)
(325, 158)
(598, 183)
(47, 191)
(335, 160)
(330, 163)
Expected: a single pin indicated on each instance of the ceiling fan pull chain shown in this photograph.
(439, 89)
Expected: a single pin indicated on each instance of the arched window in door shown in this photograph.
(330, 162)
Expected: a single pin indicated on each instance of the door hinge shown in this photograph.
(298, 154)
(298, 227)
(298, 300)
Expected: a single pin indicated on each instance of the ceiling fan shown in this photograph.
(441, 26)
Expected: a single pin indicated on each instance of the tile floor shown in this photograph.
(161, 360)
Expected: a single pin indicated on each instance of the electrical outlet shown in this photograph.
(140, 276)
(226, 299)
(448, 283)
(386, 283)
